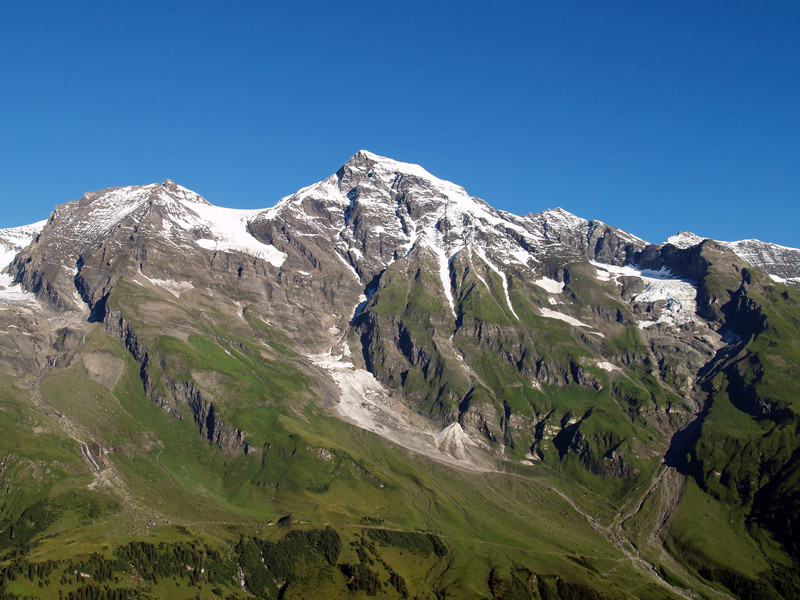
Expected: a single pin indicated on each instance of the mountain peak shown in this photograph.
(560, 217)
(366, 154)
(684, 239)
(364, 159)
(178, 192)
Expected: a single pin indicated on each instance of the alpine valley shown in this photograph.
(382, 386)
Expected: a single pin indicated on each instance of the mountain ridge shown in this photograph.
(547, 217)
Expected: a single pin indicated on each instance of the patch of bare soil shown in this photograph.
(104, 368)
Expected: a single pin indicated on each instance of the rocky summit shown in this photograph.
(384, 386)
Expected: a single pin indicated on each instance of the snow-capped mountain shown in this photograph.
(331, 262)
(388, 299)
(348, 228)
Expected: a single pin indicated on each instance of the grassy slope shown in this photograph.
(163, 477)
(168, 476)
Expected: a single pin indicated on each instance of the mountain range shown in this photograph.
(384, 386)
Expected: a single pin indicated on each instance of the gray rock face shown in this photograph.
(593, 239)
(228, 438)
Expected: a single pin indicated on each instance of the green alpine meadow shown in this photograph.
(384, 387)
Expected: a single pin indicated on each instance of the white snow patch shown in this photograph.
(521, 256)
(6, 256)
(362, 302)
(505, 289)
(684, 239)
(482, 280)
(114, 206)
(444, 274)
(228, 227)
(14, 295)
(602, 275)
(349, 266)
(563, 219)
(14, 239)
(552, 314)
(502, 276)
(764, 255)
(607, 366)
(615, 271)
(551, 285)
(393, 166)
(176, 288)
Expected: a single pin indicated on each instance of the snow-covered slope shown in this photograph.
(181, 215)
(684, 239)
(13, 240)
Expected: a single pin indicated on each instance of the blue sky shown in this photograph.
(650, 116)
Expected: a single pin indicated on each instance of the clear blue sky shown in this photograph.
(651, 116)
